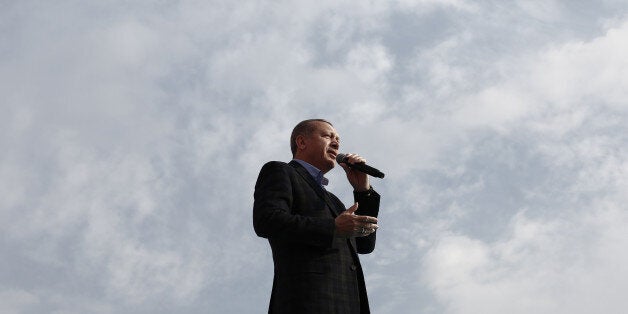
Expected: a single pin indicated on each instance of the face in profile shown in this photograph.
(321, 146)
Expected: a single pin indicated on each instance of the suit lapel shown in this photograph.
(331, 204)
(314, 185)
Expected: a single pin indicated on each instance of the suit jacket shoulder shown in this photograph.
(286, 208)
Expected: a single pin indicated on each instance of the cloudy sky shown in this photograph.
(132, 133)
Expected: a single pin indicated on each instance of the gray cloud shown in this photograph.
(132, 135)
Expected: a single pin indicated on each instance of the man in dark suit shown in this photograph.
(313, 238)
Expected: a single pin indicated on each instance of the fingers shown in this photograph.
(364, 226)
(365, 219)
(354, 159)
(365, 231)
(349, 224)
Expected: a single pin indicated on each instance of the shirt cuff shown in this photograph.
(367, 193)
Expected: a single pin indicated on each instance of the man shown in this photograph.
(314, 240)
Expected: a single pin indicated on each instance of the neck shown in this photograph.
(322, 168)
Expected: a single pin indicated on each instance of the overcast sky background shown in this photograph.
(132, 133)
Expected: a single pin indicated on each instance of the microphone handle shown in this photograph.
(362, 167)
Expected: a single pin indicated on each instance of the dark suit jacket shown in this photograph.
(315, 272)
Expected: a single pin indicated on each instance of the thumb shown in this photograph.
(352, 209)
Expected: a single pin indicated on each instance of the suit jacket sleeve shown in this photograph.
(273, 216)
(368, 205)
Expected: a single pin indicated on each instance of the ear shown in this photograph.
(300, 140)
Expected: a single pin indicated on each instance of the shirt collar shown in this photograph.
(314, 172)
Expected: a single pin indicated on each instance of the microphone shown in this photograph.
(362, 167)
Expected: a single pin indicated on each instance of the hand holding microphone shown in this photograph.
(348, 223)
(358, 164)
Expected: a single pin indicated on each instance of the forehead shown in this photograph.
(324, 127)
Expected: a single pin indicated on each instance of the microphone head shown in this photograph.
(341, 158)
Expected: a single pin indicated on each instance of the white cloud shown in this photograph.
(427, 4)
(564, 261)
(561, 266)
(13, 301)
(369, 63)
(584, 71)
